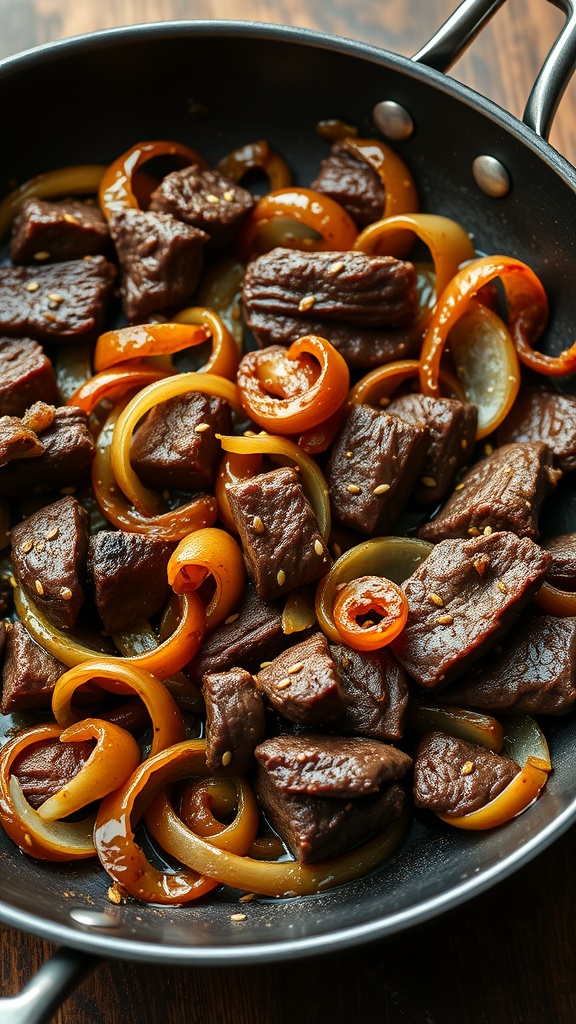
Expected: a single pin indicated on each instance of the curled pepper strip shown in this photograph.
(116, 676)
(297, 412)
(169, 525)
(256, 154)
(399, 185)
(165, 659)
(299, 218)
(205, 553)
(377, 386)
(58, 841)
(119, 813)
(285, 452)
(525, 744)
(144, 340)
(81, 180)
(148, 502)
(114, 758)
(366, 595)
(466, 725)
(116, 191)
(113, 384)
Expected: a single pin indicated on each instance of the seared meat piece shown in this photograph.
(169, 451)
(462, 599)
(504, 491)
(353, 183)
(367, 291)
(29, 673)
(204, 199)
(160, 261)
(452, 427)
(315, 827)
(128, 573)
(26, 376)
(453, 776)
(376, 693)
(234, 721)
(281, 540)
(61, 302)
(17, 441)
(331, 766)
(302, 684)
(541, 415)
(534, 672)
(49, 559)
(68, 453)
(562, 572)
(44, 768)
(373, 468)
(66, 229)
(253, 635)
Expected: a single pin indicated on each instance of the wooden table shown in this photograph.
(507, 956)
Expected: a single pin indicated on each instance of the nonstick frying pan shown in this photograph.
(216, 85)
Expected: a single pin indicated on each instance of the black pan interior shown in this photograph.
(215, 88)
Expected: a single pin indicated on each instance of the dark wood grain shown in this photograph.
(507, 956)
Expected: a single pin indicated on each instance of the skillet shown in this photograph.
(215, 86)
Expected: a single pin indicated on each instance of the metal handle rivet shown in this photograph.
(491, 176)
(393, 120)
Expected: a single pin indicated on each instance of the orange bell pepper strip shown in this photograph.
(299, 218)
(116, 192)
(205, 553)
(369, 595)
(256, 154)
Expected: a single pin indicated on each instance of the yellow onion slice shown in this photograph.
(466, 725)
(66, 181)
(555, 601)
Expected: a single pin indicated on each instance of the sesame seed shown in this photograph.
(55, 297)
(212, 198)
(26, 546)
(226, 758)
(51, 317)
(481, 564)
(296, 668)
(41, 255)
(318, 547)
(39, 546)
(488, 449)
(384, 401)
(459, 487)
(428, 481)
(264, 664)
(113, 895)
(467, 767)
(32, 286)
(283, 684)
(502, 586)
(247, 897)
(507, 468)
(381, 489)
(474, 531)
(51, 533)
(228, 197)
(237, 917)
(306, 303)
(231, 618)
(336, 267)
(490, 390)
(436, 599)
(463, 443)
(445, 620)
(87, 258)
(201, 427)
(281, 577)
(250, 433)
(66, 594)
(70, 219)
(353, 489)
(348, 455)
(348, 807)
(13, 583)
(345, 662)
(487, 531)
(258, 525)
(39, 587)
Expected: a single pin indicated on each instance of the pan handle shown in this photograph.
(50, 986)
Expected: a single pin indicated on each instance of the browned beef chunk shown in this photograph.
(315, 827)
(176, 445)
(252, 635)
(29, 673)
(541, 415)
(67, 229)
(367, 291)
(281, 540)
(452, 427)
(5, 594)
(331, 766)
(534, 672)
(46, 767)
(60, 302)
(453, 776)
(68, 453)
(234, 721)
(160, 260)
(353, 183)
(17, 441)
(562, 572)
(302, 683)
(131, 715)
(128, 573)
(26, 376)
(462, 599)
(204, 199)
(49, 559)
(376, 690)
(373, 468)
(501, 492)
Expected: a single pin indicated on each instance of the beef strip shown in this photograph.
(29, 673)
(128, 575)
(562, 572)
(247, 638)
(352, 182)
(375, 463)
(462, 599)
(367, 291)
(542, 415)
(452, 427)
(234, 721)
(453, 776)
(60, 302)
(331, 766)
(206, 200)
(169, 451)
(44, 768)
(533, 672)
(26, 376)
(302, 683)
(65, 229)
(160, 261)
(17, 441)
(315, 828)
(68, 454)
(376, 693)
(504, 491)
(49, 559)
(281, 540)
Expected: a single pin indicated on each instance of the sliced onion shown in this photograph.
(466, 725)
